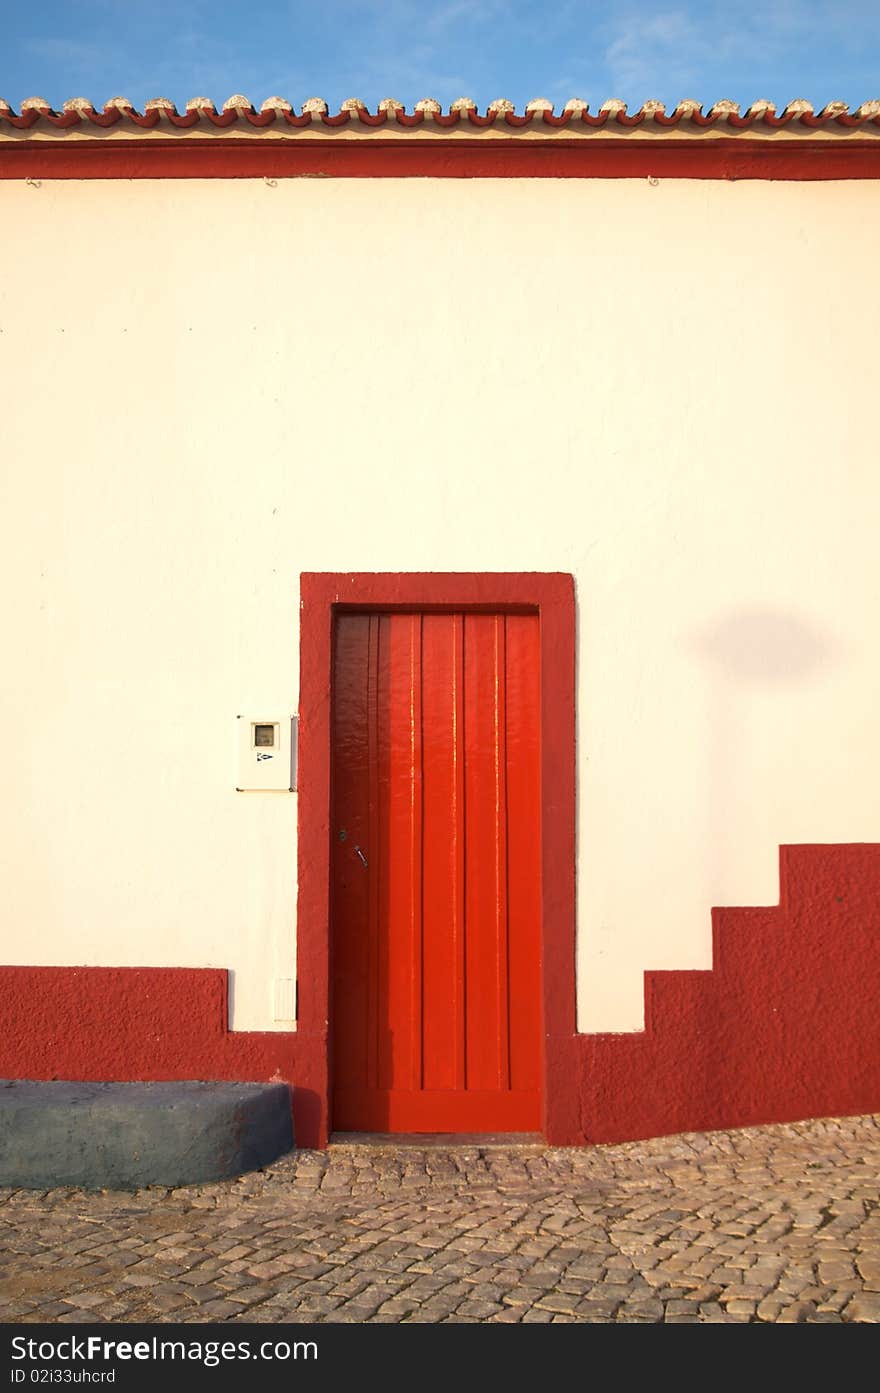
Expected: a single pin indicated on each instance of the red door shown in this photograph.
(436, 855)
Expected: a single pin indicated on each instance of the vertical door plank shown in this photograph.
(499, 660)
(351, 815)
(378, 947)
(375, 1002)
(485, 854)
(524, 848)
(442, 852)
(401, 852)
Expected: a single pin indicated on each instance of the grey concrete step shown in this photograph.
(124, 1136)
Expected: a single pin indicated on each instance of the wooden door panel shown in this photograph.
(453, 1110)
(442, 1004)
(396, 851)
(486, 855)
(353, 970)
(436, 872)
(523, 789)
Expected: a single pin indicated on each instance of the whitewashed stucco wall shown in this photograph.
(210, 386)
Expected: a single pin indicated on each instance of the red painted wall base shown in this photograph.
(150, 1023)
(784, 1027)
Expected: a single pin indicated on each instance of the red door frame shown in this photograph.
(551, 595)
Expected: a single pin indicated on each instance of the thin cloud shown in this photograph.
(74, 53)
(671, 50)
(679, 51)
(464, 13)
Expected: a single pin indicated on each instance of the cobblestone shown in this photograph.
(778, 1224)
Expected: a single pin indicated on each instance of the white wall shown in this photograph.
(208, 387)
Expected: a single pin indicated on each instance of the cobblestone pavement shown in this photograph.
(774, 1223)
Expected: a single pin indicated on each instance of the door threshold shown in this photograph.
(437, 1139)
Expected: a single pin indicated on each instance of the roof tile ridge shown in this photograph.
(833, 116)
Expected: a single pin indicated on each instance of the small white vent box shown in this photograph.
(266, 754)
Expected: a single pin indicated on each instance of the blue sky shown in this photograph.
(407, 49)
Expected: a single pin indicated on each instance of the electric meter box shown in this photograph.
(266, 754)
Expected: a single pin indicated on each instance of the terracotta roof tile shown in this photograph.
(238, 103)
(574, 121)
(688, 117)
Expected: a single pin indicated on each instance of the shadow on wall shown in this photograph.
(745, 650)
(762, 645)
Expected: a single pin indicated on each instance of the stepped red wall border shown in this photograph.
(784, 1027)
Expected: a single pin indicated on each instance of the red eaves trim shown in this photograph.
(731, 158)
